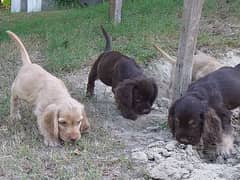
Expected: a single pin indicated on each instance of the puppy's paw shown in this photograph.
(225, 149)
(51, 142)
(225, 152)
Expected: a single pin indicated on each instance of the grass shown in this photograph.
(71, 37)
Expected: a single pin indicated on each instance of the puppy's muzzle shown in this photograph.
(73, 137)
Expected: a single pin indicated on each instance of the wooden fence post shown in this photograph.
(115, 11)
(186, 47)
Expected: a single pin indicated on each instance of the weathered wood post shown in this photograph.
(187, 45)
(115, 11)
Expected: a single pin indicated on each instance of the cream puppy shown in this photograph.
(203, 64)
(59, 116)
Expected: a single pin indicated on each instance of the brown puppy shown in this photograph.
(203, 64)
(204, 111)
(59, 116)
(133, 91)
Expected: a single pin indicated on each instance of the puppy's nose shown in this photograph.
(73, 137)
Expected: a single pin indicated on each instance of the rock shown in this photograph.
(155, 107)
(182, 146)
(164, 102)
(157, 157)
(165, 153)
(157, 173)
(171, 145)
(139, 156)
(150, 155)
(156, 144)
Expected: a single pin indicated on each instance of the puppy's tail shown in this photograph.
(24, 53)
(108, 46)
(171, 59)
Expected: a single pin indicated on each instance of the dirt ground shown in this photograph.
(116, 148)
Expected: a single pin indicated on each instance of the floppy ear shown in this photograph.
(50, 120)
(85, 125)
(124, 93)
(212, 128)
(171, 121)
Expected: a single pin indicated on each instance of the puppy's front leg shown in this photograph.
(225, 148)
(92, 77)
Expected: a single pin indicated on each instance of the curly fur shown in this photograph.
(133, 91)
(59, 116)
(204, 111)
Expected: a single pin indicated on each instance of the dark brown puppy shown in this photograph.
(133, 91)
(204, 111)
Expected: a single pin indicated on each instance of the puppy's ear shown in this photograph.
(124, 93)
(50, 120)
(171, 120)
(85, 125)
(212, 128)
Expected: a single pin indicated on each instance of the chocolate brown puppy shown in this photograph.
(204, 111)
(133, 91)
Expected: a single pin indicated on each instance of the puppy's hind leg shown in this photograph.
(14, 105)
(92, 77)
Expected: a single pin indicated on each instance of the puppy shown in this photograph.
(59, 116)
(203, 64)
(133, 91)
(203, 113)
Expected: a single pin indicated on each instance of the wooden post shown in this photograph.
(115, 11)
(187, 45)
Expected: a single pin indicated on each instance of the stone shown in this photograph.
(171, 145)
(165, 153)
(139, 156)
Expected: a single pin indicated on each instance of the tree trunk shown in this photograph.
(187, 45)
(115, 11)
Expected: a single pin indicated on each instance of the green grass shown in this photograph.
(71, 37)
